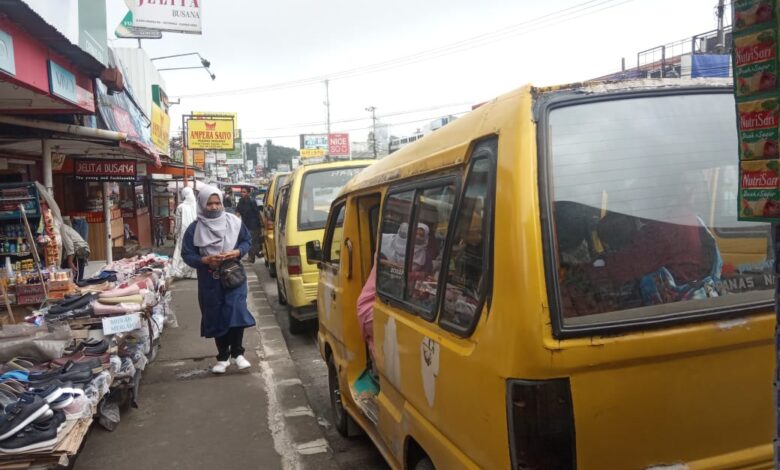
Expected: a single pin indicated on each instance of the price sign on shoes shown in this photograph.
(125, 323)
(755, 65)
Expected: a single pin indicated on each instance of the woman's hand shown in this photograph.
(212, 261)
(235, 254)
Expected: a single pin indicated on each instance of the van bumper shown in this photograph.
(302, 294)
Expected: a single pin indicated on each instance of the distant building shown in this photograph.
(400, 142)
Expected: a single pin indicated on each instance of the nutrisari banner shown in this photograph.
(755, 65)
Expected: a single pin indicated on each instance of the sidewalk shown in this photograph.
(189, 418)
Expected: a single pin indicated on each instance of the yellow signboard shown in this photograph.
(217, 114)
(210, 134)
(161, 129)
(312, 153)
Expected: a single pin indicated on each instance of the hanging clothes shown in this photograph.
(186, 214)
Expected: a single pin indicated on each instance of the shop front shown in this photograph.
(166, 184)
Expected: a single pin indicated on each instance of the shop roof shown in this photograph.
(25, 17)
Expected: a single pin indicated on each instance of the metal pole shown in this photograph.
(373, 118)
(48, 179)
(184, 146)
(327, 110)
(721, 37)
(107, 217)
(775, 233)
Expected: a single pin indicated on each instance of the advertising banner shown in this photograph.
(755, 65)
(92, 29)
(177, 16)
(211, 157)
(161, 128)
(126, 30)
(338, 145)
(221, 157)
(105, 170)
(235, 161)
(199, 158)
(314, 141)
(210, 134)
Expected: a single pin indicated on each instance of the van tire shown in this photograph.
(297, 327)
(281, 298)
(340, 416)
(424, 464)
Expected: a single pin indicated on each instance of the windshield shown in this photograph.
(645, 195)
(318, 190)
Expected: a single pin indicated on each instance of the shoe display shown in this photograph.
(20, 414)
(242, 363)
(72, 304)
(32, 437)
(132, 289)
(220, 367)
(128, 299)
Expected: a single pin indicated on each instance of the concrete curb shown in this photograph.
(297, 435)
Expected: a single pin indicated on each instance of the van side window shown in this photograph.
(391, 271)
(467, 276)
(284, 201)
(335, 235)
(433, 207)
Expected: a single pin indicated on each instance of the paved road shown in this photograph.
(353, 453)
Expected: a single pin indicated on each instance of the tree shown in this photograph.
(279, 155)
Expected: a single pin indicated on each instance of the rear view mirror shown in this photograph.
(313, 251)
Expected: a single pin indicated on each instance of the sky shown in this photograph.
(253, 44)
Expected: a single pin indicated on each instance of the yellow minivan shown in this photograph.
(303, 205)
(561, 282)
(267, 220)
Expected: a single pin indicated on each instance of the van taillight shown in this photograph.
(293, 260)
(541, 425)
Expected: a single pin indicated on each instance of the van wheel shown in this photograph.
(272, 269)
(424, 464)
(340, 416)
(297, 327)
(281, 298)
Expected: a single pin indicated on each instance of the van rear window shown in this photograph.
(318, 190)
(644, 194)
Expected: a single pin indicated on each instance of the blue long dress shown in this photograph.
(220, 309)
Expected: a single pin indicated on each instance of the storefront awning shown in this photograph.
(176, 170)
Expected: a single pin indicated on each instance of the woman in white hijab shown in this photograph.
(394, 246)
(186, 214)
(217, 237)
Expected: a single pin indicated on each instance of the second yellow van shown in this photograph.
(267, 217)
(304, 202)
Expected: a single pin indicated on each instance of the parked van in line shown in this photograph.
(561, 282)
(304, 202)
(267, 221)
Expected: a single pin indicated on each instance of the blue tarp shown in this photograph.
(710, 65)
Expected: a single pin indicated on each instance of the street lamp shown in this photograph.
(204, 64)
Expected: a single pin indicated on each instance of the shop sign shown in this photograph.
(161, 128)
(235, 161)
(105, 170)
(177, 16)
(162, 176)
(217, 114)
(141, 170)
(62, 83)
(121, 324)
(211, 157)
(126, 30)
(312, 153)
(755, 62)
(57, 161)
(199, 158)
(338, 145)
(7, 61)
(210, 134)
(222, 172)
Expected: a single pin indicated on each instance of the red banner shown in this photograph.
(338, 145)
(105, 170)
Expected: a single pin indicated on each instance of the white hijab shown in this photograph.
(217, 231)
(189, 209)
(421, 246)
(394, 245)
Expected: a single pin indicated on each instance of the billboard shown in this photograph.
(312, 153)
(338, 145)
(180, 16)
(210, 134)
(161, 128)
(314, 141)
(217, 114)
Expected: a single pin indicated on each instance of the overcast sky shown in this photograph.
(252, 44)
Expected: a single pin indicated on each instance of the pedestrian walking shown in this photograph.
(159, 233)
(214, 245)
(75, 251)
(186, 214)
(247, 210)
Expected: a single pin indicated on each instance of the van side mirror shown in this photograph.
(313, 251)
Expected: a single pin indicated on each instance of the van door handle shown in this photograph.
(348, 244)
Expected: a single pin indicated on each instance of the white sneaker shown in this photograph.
(242, 363)
(220, 367)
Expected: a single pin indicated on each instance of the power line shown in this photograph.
(552, 19)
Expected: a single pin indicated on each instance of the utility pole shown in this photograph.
(372, 110)
(327, 110)
(721, 44)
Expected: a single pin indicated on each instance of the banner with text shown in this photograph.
(338, 145)
(177, 16)
(210, 134)
(161, 128)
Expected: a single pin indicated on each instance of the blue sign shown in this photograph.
(7, 62)
(62, 83)
(710, 65)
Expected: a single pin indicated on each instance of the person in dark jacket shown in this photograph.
(247, 210)
(217, 236)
